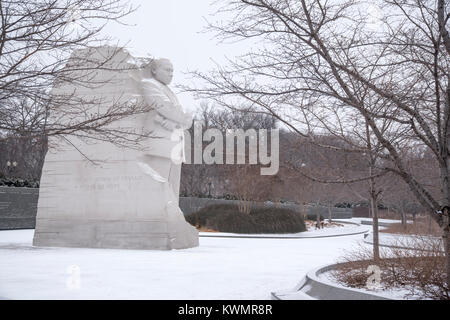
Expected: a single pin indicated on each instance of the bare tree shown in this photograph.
(240, 181)
(37, 42)
(325, 65)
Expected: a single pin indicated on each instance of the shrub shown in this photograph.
(344, 205)
(420, 271)
(18, 183)
(227, 218)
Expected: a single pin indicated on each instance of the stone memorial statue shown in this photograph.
(97, 194)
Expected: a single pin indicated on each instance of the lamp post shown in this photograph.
(11, 166)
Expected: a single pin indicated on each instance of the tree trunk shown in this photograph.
(404, 220)
(430, 225)
(445, 174)
(330, 214)
(446, 238)
(376, 238)
(446, 241)
(373, 197)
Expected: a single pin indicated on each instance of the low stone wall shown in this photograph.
(336, 213)
(18, 207)
(313, 287)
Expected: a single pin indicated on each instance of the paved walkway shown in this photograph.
(350, 228)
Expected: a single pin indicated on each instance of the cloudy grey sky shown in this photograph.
(173, 29)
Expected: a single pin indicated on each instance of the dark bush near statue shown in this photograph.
(227, 218)
(18, 183)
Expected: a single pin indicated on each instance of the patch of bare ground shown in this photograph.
(310, 224)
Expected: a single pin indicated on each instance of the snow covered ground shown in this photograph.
(380, 221)
(221, 268)
(334, 231)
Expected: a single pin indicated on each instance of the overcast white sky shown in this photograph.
(173, 29)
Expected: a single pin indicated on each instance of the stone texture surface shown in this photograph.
(96, 194)
(312, 286)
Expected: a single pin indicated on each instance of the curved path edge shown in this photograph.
(397, 245)
(313, 288)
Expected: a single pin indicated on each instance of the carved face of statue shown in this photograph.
(162, 70)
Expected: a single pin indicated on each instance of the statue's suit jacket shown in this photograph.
(165, 107)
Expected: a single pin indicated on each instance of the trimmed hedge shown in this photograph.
(18, 183)
(227, 218)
